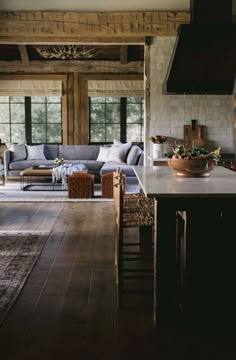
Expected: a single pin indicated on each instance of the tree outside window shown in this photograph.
(116, 117)
(34, 120)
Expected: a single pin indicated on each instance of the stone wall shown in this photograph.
(169, 113)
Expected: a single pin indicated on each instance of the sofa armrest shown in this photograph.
(141, 159)
(7, 159)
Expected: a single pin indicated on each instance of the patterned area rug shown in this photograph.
(19, 252)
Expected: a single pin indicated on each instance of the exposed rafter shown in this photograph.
(23, 54)
(124, 54)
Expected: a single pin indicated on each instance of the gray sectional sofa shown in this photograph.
(20, 156)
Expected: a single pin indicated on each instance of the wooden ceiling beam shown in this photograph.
(91, 66)
(38, 40)
(66, 26)
(110, 76)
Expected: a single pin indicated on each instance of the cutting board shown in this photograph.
(194, 137)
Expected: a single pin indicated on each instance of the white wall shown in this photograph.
(169, 113)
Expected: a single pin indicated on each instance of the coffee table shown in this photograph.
(49, 172)
(27, 175)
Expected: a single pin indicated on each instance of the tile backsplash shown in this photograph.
(169, 113)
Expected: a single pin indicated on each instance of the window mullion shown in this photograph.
(28, 120)
(123, 116)
(46, 119)
(105, 113)
(10, 131)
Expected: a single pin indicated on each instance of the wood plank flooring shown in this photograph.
(67, 309)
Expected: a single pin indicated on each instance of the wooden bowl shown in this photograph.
(191, 167)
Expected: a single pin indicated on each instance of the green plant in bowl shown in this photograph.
(192, 162)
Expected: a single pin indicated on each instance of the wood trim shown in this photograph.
(93, 40)
(97, 66)
(77, 105)
(70, 109)
(62, 77)
(64, 112)
(110, 76)
(81, 125)
(124, 54)
(84, 109)
(67, 25)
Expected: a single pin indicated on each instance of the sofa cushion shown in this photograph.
(118, 153)
(50, 151)
(24, 164)
(35, 152)
(90, 164)
(79, 152)
(112, 166)
(104, 153)
(133, 155)
(18, 152)
(141, 159)
(117, 142)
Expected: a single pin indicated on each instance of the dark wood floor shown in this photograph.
(67, 309)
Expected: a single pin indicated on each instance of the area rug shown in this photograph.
(12, 192)
(19, 252)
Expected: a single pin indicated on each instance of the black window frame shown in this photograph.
(29, 121)
(123, 120)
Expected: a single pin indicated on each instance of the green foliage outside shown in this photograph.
(45, 119)
(105, 119)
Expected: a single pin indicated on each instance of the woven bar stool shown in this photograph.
(132, 210)
(107, 185)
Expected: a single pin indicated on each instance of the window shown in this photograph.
(34, 120)
(116, 117)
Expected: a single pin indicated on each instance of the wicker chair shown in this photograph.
(132, 210)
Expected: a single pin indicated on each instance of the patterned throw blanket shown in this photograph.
(61, 173)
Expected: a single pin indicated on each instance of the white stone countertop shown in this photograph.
(159, 182)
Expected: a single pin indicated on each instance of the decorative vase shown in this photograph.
(158, 151)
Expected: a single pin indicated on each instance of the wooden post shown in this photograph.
(70, 109)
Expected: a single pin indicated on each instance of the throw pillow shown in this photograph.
(133, 155)
(35, 152)
(103, 153)
(18, 152)
(118, 153)
(116, 142)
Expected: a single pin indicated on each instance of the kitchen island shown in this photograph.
(194, 246)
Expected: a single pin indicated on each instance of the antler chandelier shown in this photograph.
(65, 52)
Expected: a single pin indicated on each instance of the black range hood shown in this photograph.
(204, 57)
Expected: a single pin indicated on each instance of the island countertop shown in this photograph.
(159, 181)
